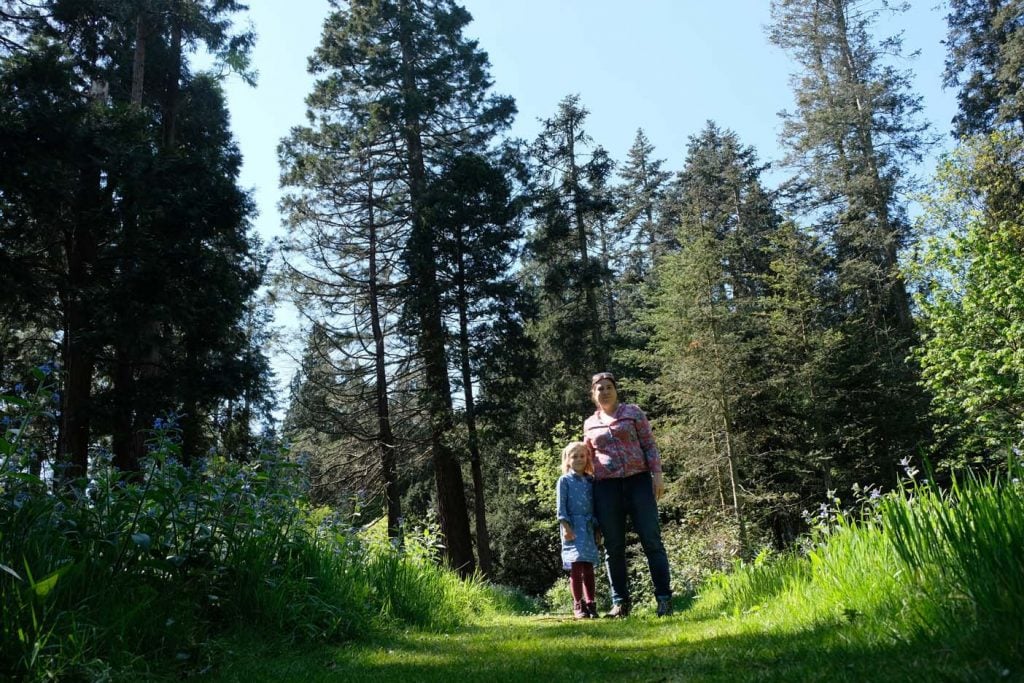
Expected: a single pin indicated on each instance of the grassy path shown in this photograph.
(556, 649)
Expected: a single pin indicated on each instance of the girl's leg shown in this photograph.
(576, 587)
(589, 585)
(576, 581)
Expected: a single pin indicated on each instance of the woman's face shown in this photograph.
(604, 393)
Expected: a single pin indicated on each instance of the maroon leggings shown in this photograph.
(581, 582)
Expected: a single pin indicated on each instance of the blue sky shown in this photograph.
(667, 66)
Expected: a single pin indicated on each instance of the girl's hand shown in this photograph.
(569, 535)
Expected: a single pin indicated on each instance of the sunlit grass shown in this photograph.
(920, 585)
(542, 649)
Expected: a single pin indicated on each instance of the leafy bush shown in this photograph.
(130, 571)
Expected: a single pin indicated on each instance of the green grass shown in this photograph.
(922, 584)
(687, 647)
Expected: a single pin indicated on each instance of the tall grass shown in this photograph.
(138, 573)
(946, 565)
(965, 549)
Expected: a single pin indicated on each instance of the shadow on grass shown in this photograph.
(558, 650)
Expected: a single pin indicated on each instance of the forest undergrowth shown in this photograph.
(218, 570)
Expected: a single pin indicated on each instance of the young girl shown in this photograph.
(575, 496)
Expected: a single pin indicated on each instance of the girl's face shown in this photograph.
(578, 459)
(605, 394)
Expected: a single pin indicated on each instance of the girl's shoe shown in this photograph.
(579, 612)
(591, 609)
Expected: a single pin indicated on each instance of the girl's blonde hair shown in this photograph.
(567, 457)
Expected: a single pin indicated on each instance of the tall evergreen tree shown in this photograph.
(853, 136)
(640, 199)
(645, 233)
(800, 393)
(402, 71)
(344, 268)
(565, 268)
(707, 314)
(476, 217)
(985, 61)
(129, 223)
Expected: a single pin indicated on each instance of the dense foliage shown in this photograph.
(140, 570)
(789, 343)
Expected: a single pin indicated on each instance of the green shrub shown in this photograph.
(129, 572)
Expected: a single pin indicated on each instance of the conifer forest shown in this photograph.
(798, 333)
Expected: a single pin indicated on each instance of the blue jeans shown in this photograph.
(633, 497)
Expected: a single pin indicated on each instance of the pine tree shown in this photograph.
(401, 73)
(851, 140)
(640, 198)
(475, 212)
(986, 62)
(707, 313)
(564, 268)
(344, 268)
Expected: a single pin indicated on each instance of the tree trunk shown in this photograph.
(139, 59)
(599, 357)
(76, 348)
(483, 538)
(385, 437)
(877, 197)
(451, 496)
(172, 89)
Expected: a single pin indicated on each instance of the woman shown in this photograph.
(627, 483)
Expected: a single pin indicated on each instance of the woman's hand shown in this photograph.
(658, 483)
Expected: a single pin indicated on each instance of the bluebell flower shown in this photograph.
(158, 423)
(875, 494)
(46, 368)
(19, 387)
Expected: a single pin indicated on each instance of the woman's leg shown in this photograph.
(611, 517)
(643, 509)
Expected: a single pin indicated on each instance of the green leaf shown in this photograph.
(22, 476)
(43, 587)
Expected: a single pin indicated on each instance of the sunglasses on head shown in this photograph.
(600, 376)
